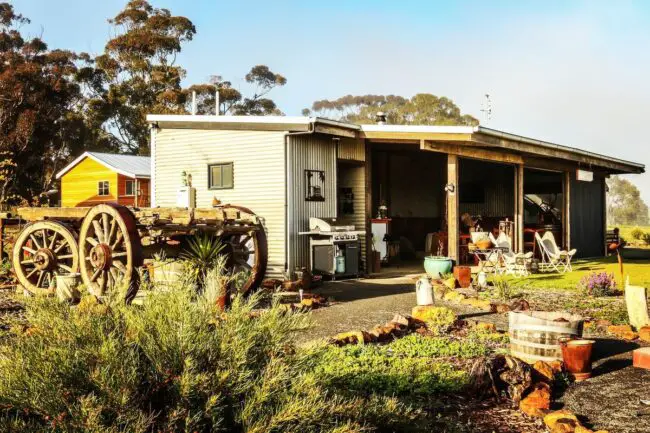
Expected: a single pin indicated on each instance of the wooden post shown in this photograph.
(567, 210)
(135, 192)
(605, 215)
(368, 183)
(452, 207)
(519, 207)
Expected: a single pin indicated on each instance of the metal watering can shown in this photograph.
(424, 291)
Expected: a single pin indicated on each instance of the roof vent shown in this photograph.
(380, 118)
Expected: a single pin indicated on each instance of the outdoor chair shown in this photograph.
(517, 263)
(553, 258)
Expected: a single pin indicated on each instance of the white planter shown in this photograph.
(67, 287)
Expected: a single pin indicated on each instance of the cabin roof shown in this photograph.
(129, 165)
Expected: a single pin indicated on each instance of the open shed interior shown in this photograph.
(543, 206)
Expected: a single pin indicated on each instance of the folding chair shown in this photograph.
(553, 258)
(517, 263)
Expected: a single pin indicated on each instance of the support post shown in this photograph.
(368, 209)
(452, 207)
(567, 210)
(519, 208)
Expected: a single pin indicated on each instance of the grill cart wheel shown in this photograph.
(109, 250)
(43, 250)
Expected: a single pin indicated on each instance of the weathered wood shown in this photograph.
(471, 152)
(567, 210)
(190, 217)
(333, 130)
(519, 216)
(453, 234)
(52, 213)
(416, 136)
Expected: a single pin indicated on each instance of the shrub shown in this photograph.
(598, 284)
(646, 238)
(173, 364)
(637, 233)
(503, 290)
(438, 319)
(415, 345)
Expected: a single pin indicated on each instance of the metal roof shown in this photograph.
(128, 165)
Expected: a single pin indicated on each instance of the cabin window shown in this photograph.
(129, 187)
(103, 188)
(220, 176)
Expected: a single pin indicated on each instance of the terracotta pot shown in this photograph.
(464, 276)
(221, 302)
(577, 357)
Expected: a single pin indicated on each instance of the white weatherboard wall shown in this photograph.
(258, 169)
(308, 152)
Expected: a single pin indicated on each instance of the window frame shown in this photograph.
(126, 191)
(100, 188)
(232, 174)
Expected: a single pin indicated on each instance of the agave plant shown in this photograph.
(202, 253)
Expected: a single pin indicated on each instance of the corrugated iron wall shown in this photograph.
(258, 170)
(308, 152)
(498, 183)
(352, 149)
(587, 213)
(354, 176)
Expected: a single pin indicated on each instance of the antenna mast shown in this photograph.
(487, 109)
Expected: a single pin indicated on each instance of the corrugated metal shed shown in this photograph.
(258, 170)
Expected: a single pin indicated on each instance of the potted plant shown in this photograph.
(437, 265)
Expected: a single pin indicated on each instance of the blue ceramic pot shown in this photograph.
(437, 266)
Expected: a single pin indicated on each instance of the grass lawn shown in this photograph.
(626, 233)
(638, 270)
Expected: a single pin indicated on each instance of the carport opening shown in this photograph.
(543, 206)
(410, 184)
(486, 201)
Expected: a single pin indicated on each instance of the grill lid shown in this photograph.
(330, 225)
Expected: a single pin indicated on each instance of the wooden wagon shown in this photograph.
(108, 243)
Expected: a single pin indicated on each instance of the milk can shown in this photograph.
(423, 291)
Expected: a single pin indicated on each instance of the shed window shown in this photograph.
(103, 188)
(220, 176)
(129, 187)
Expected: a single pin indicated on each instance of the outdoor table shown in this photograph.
(490, 257)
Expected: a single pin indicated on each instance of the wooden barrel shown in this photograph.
(535, 335)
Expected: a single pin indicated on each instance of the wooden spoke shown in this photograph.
(110, 249)
(43, 250)
(248, 254)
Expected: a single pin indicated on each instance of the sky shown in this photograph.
(575, 73)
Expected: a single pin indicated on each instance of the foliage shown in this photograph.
(373, 368)
(503, 290)
(646, 238)
(624, 203)
(415, 345)
(598, 284)
(487, 337)
(438, 319)
(40, 120)
(202, 254)
(136, 75)
(421, 109)
(231, 101)
(637, 233)
(176, 364)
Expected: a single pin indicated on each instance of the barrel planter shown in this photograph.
(437, 266)
(536, 335)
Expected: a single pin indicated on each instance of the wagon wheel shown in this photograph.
(249, 255)
(109, 250)
(43, 250)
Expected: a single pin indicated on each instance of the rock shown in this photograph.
(557, 366)
(581, 429)
(520, 305)
(544, 371)
(564, 426)
(500, 308)
(644, 334)
(453, 296)
(624, 332)
(641, 358)
(482, 304)
(401, 320)
(486, 327)
(560, 417)
(352, 337)
(538, 401)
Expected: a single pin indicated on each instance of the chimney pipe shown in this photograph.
(380, 118)
(216, 102)
(193, 102)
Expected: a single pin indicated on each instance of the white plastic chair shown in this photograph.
(553, 258)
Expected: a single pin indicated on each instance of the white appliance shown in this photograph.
(186, 197)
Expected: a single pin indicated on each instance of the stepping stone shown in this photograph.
(641, 358)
